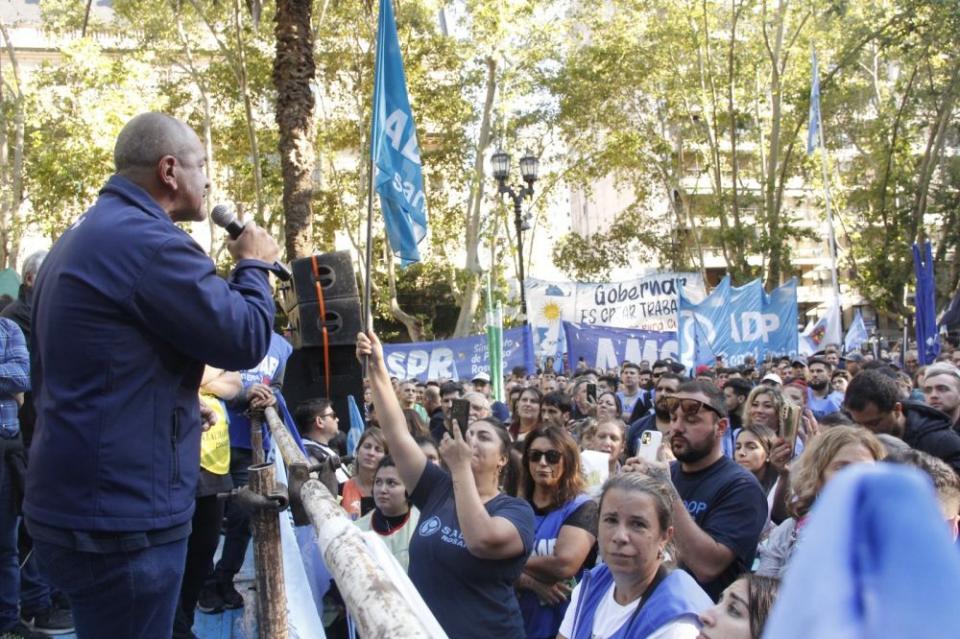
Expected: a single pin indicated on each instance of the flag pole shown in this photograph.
(826, 196)
(367, 321)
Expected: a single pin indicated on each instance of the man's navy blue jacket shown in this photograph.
(127, 310)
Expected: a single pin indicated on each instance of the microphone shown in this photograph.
(224, 217)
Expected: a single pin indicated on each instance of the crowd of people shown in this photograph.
(645, 501)
(505, 533)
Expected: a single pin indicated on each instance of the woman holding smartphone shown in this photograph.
(472, 540)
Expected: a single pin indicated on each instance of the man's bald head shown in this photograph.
(147, 138)
(165, 158)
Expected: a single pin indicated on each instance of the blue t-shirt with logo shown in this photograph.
(470, 597)
(728, 503)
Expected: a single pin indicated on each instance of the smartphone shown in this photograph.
(592, 393)
(650, 441)
(460, 412)
(790, 417)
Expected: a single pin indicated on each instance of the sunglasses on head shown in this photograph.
(687, 406)
(553, 456)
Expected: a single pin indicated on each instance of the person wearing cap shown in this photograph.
(853, 363)
(722, 508)
(772, 379)
(481, 384)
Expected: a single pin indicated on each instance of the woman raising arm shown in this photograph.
(472, 540)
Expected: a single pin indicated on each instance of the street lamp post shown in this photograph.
(529, 165)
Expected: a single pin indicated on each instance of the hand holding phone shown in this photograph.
(460, 415)
(591, 393)
(649, 445)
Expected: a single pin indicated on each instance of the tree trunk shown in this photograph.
(772, 211)
(248, 111)
(11, 173)
(933, 152)
(210, 167)
(413, 324)
(293, 70)
(471, 293)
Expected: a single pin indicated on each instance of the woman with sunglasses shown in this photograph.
(526, 416)
(566, 528)
(633, 595)
(472, 540)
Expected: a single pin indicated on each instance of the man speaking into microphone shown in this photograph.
(127, 310)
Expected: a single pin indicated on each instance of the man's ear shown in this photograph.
(722, 425)
(166, 172)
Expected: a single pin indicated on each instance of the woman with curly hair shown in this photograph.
(566, 528)
(826, 455)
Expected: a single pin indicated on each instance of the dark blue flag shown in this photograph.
(394, 148)
(928, 339)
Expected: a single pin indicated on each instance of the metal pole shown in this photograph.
(373, 600)
(518, 220)
(268, 559)
(256, 437)
(826, 197)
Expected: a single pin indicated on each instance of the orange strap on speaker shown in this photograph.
(323, 324)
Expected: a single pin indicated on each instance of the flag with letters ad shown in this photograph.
(394, 149)
(739, 321)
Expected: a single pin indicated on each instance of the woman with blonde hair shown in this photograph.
(827, 454)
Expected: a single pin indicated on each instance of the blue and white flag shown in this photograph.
(394, 149)
(827, 330)
(813, 125)
(356, 425)
(928, 339)
(856, 336)
(739, 321)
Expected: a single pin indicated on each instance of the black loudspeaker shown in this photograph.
(341, 302)
(334, 273)
(305, 378)
(342, 320)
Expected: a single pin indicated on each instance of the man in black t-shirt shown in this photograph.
(721, 508)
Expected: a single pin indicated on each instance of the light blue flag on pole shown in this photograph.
(813, 126)
(394, 149)
(356, 425)
(856, 335)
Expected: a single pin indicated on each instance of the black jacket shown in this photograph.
(931, 431)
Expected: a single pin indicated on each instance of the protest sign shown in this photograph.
(457, 359)
(603, 347)
(649, 303)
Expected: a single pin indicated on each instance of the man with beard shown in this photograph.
(721, 508)
(822, 400)
(659, 419)
(941, 389)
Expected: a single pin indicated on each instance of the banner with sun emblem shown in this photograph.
(649, 303)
